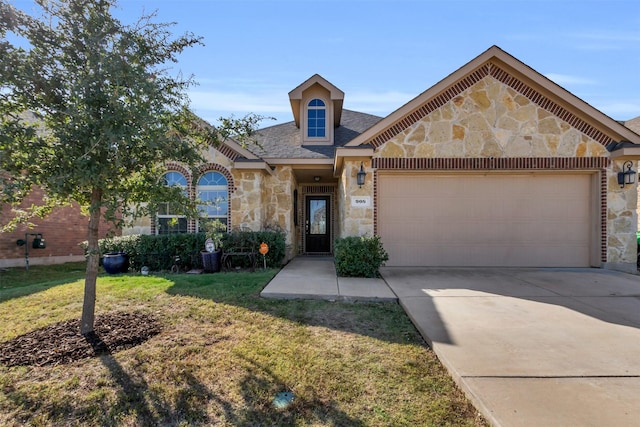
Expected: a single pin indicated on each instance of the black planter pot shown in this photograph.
(115, 262)
(211, 261)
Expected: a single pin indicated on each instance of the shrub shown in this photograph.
(275, 239)
(159, 252)
(156, 252)
(359, 256)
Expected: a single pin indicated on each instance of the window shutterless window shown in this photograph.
(213, 194)
(316, 119)
(167, 221)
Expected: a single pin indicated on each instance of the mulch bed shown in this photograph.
(62, 343)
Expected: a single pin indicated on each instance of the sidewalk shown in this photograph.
(315, 278)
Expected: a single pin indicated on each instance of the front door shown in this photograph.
(317, 224)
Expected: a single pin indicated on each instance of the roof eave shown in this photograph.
(353, 153)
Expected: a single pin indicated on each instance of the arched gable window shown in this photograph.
(213, 192)
(168, 222)
(316, 119)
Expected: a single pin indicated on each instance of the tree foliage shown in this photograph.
(90, 112)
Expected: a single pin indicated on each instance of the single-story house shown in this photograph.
(495, 165)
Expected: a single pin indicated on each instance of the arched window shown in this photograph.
(316, 119)
(168, 222)
(213, 193)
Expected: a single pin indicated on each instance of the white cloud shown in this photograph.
(606, 40)
(238, 102)
(566, 79)
(621, 110)
(377, 102)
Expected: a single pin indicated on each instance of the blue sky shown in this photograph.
(382, 53)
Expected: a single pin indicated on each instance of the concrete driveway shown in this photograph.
(533, 347)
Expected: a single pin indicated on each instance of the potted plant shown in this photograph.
(213, 245)
(115, 262)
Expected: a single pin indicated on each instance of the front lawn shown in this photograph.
(222, 356)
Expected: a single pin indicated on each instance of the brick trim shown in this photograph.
(603, 216)
(214, 167)
(493, 70)
(598, 164)
(506, 163)
(227, 151)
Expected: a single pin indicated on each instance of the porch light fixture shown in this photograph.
(626, 175)
(316, 178)
(361, 175)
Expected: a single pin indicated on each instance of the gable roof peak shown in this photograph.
(335, 93)
(336, 97)
(504, 67)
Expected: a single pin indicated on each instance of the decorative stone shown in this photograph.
(417, 136)
(549, 125)
(481, 99)
(458, 132)
(391, 149)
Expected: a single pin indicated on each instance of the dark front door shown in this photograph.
(317, 224)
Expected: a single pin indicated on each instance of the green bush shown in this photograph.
(359, 256)
(275, 239)
(159, 252)
(156, 252)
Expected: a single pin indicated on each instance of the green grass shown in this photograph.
(222, 357)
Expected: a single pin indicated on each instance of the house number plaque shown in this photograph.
(361, 201)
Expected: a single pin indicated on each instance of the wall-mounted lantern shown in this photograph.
(626, 176)
(37, 243)
(361, 175)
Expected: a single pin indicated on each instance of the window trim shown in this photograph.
(216, 187)
(169, 215)
(326, 107)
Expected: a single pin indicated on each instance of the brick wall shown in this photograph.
(62, 230)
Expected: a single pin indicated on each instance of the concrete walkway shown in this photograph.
(530, 347)
(315, 278)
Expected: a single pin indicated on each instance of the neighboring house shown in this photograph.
(493, 166)
(62, 231)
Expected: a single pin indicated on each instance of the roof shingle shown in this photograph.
(284, 141)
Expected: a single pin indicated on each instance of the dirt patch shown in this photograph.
(62, 342)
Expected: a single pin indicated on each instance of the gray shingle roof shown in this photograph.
(633, 124)
(284, 141)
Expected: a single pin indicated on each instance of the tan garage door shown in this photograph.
(534, 219)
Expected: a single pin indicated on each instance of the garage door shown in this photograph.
(534, 219)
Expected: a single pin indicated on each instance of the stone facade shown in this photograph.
(622, 222)
(355, 220)
(262, 200)
(487, 120)
(492, 120)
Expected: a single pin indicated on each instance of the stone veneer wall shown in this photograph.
(491, 120)
(622, 222)
(355, 220)
(246, 202)
(265, 200)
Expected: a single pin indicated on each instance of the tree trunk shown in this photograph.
(89, 304)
